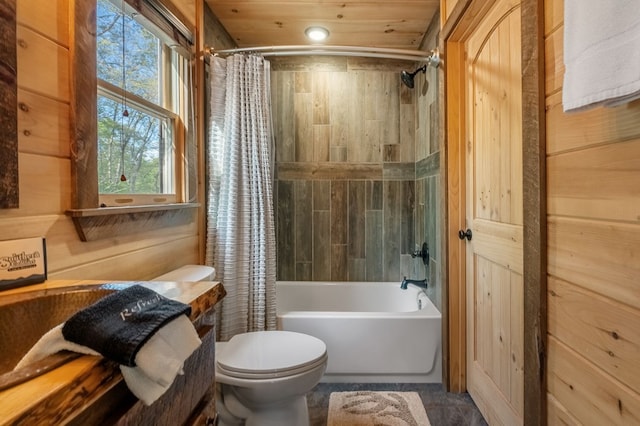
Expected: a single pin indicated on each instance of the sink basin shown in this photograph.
(25, 317)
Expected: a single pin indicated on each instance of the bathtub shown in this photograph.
(374, 332)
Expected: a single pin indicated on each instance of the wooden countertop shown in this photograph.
(55, 395)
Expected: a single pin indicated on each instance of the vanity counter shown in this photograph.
(91, 388)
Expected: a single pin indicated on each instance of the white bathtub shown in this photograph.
(374, 332)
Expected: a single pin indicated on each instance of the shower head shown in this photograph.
(407, 77)
(433, 60)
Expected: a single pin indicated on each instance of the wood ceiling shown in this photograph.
(399, 24)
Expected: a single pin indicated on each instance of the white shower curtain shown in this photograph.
(240, 225)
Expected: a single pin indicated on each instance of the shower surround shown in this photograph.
(349, 203)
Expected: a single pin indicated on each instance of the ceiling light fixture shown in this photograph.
(317, 33)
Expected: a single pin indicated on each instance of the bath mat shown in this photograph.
(376, 408)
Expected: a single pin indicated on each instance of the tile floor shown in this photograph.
(443, 408)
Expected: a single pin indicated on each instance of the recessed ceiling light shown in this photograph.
(317, 33)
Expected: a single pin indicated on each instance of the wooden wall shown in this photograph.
(593, 173)
(44, 165)
(345, 142)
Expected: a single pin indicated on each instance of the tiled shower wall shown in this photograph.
(346, 188)
(428, 225)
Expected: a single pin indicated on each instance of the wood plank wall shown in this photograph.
(346, 164)
(593, 171)
(44, 165)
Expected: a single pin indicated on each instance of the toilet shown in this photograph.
(263, 377)
(188, 273)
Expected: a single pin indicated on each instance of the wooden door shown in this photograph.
(494, 289)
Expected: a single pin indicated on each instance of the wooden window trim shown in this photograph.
(91, 221)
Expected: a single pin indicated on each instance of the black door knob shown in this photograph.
(465, 234)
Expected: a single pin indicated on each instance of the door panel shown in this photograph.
(494, 214)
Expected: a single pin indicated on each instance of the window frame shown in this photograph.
(174, 67)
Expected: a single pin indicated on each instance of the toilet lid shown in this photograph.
(272, 353)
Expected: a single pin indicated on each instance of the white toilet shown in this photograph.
(264, 377)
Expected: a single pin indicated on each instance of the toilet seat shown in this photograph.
(270, 354)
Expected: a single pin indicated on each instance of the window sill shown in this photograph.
(108, 222)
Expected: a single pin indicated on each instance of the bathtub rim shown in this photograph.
(429, 311)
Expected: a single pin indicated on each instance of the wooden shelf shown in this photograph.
(108, 222)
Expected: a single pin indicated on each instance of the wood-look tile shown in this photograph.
(357, 269)
(338, 213)
(321, 138)
(356, 212)
(366, 200)
(407, 222)
(373, 95)
(433, 127)
(420, 212)
(321, 195)
(428, 166)
(338, 153)
(303, 221)
(374, 245)
(303, 117)
(302, 82)
(406, 94)
(285, 240)
(374, 195)
(407, 134)
(321, 245)
(331, 170)
(389, 109)
(320, 90)
(391, 153)
(373, 64)
(284, 122)
(356, 101)
(304, 271)
(398, 171)
(315, 64)
(409, 268)
(369, 148)
(339, 267)
(432, 214)
(339, 109)
(391, 229)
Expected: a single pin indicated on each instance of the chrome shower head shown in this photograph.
(408, 77)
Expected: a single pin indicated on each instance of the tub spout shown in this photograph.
(420, 283)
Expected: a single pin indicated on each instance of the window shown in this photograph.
(143, 106)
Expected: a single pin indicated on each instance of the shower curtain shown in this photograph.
(240, 225)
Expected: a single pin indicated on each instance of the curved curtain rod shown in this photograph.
(432, 57)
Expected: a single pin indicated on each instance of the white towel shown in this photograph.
(51, 342)
(161, 359)
(601, 53)
(158, 361)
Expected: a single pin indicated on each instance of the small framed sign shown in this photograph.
(22, 262)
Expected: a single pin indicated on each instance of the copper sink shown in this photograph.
(25, 317)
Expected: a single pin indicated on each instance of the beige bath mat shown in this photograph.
(376, 408)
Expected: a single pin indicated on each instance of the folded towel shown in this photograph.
(161, 359)
(51, 342)
(151, 334)
(601, 53)
(119, 324)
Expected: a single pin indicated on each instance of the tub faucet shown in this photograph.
(419, 283)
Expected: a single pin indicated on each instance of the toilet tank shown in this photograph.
(189, 273)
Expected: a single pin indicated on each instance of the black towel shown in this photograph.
(118, 325)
